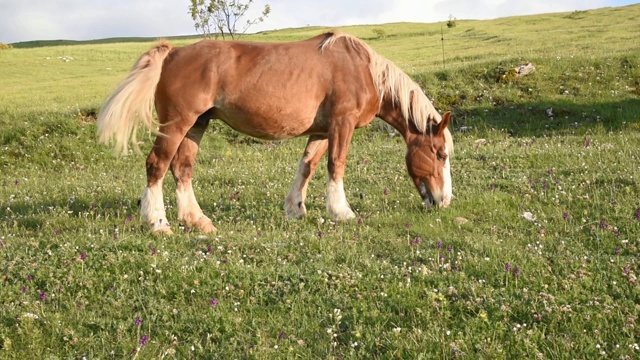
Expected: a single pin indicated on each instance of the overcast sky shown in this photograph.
(24, 20)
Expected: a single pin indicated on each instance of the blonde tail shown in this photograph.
(132, 103)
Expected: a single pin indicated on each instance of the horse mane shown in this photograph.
(391, 81)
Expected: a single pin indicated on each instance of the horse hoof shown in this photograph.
(205, 225)
(344, 215)
(162, 231)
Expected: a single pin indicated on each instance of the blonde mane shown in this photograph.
(391, 81)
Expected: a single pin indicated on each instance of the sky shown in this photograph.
(26, 20)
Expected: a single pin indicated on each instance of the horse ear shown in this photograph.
(444, 123)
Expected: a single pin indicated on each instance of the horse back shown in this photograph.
(295, 88)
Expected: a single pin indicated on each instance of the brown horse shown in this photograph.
(324, 88)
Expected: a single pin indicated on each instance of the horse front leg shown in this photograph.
(294, 202)
(189, 211)
(337, 205)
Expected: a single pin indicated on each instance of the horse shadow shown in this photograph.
(549, 118)
(35, 216)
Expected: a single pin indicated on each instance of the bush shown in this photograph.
(380, 33)
(4, 46)
(452, 22)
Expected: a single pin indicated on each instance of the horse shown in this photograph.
(324, 87)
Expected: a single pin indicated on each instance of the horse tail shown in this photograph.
(131, 104)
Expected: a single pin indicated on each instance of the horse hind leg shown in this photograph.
(294, 202)
(189, 211)
(152, 209)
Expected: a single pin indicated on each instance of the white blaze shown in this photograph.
(447, 189)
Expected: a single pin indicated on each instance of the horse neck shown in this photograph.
(390, 113)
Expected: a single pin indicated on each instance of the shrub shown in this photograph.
(452, 22)
(4, 46)
(380, 33)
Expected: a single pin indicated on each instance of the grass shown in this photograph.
(554, 197)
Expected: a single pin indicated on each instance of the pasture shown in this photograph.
(536, 258)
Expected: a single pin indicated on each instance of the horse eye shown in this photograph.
(441, 157)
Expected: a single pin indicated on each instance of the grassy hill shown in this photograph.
(537, 257)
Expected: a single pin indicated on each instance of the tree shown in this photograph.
(223, 16)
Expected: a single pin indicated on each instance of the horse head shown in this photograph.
(428, 163)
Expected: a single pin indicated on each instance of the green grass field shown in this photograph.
(536, 258)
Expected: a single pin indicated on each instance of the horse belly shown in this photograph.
(268, 125)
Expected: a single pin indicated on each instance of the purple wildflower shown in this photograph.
(385, 191)
(56, 232)
(603, 224)
(638, 213)
(209, 249)
(319, 233)
(152, 249)
(281, 335)
(143, 340)
(565, 215)
(43, 296)
(516, 271)
(616, 232)
(545, 186)
(450, 248)
(24, 290)
(441, 257)
(416, 240)
(213, 302)
(138, 321)
(587, 142)
(439, 245)
(507, 267)
(83, 256)
(360, 220)
(617, 251)
(407, 225)
(29, 277)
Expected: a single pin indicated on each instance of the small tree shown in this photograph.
(199, 11)
(452, 22)
(223, 16)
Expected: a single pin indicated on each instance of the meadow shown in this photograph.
(536, 258)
